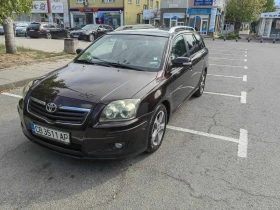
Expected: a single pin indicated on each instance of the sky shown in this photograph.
(277, 2)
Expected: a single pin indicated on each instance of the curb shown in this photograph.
(13, 85)
(7, 65)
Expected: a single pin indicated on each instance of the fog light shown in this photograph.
(119, 145)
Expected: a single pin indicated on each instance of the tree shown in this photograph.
(7, 10)
(270, 6)
(244, 11)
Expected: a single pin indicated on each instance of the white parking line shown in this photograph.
(203, 134)
(12, 95)
(217, 75)
(244, 67)
(225, 54)
(242, 141)
(245, 55)
(243, 97)
(245, 60)
(226, 59)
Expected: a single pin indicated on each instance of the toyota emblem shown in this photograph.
(51, 107)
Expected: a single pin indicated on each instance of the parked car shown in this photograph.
(1, 30)
(77, 27)
(21, 29)
(131, 27)
(116, 97)
(46, 30)
(91, 32)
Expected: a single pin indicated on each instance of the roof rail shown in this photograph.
(181, 28)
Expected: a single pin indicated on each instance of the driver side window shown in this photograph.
(179, 48)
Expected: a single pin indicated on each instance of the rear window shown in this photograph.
(34, 25)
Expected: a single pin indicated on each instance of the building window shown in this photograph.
(129, 1)
(145, 7)
(80, 1)
(157, 5)
(137, 2)
(108, 1)
(151, 4)
(138, 18)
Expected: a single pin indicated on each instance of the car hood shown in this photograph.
(92, 83)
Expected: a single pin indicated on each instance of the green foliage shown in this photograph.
(269, 6)
(7, 7)
(244, 10)
(230, 36)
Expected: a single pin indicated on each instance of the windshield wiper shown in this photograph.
(93, 63)
(120, 65)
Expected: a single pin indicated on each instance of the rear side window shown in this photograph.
(179, 48)
(200, 42)
(191, 44)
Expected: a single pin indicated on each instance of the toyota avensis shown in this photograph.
(116, 97)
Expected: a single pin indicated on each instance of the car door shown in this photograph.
(100, 31)
(61, 32)
(202, 54)
(196, 58)
(53, 30)
(181, 76)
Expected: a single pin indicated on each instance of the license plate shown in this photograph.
(63, 137)
(31, 30)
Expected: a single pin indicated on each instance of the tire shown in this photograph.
(156, 133)
(49, 36)
(91, 38)
(201, 86)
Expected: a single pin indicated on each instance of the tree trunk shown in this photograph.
(237, 26)
(9, 36)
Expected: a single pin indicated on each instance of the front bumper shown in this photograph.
(93, 141)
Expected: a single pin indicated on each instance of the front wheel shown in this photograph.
(157, 128)
(48, 36)
(201, 86)
(91, 38)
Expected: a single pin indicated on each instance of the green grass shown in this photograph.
(34, 54)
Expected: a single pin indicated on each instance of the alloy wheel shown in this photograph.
(158, 128)
(202, 83)
(49, 36)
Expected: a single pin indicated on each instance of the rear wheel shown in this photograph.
(48, 36)
(157, 128)
(201, 86)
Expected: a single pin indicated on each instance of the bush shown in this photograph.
(230, 36)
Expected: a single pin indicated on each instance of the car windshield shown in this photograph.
(90, 27)
(138, 52)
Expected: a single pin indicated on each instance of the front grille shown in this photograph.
(63, 115)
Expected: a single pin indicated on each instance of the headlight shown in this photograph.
(27, 87)
(120, 110)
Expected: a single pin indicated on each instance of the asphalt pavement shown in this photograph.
(221, 151)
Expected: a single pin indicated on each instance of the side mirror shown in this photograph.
(79, 50)
(182, 62)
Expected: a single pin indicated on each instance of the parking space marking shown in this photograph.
(243, 96)
(213, 64)
(203, 134)
(243, 143)
(245, 55)
(245, 60)
(244, 77)
(12, 95)
(226, 54)
(230, 59)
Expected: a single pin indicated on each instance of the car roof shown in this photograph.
(150, 32)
